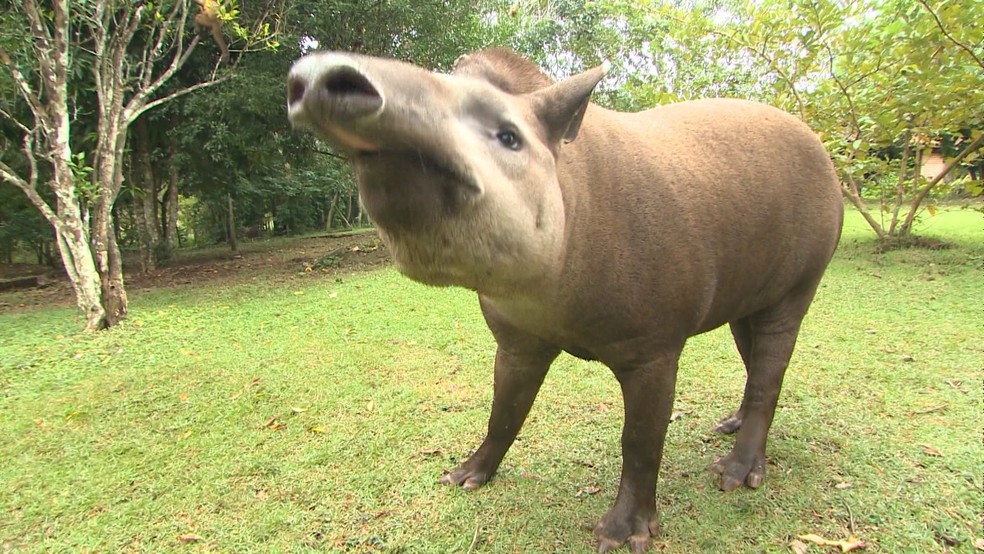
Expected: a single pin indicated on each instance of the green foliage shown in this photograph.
(315, 415)
(25, 236)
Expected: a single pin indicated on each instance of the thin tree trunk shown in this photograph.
(231, 225)
(921, 195)
(900, 185)
(348, 211)
(171, 200)
(149, 227)
(169, 212)
(332, 207)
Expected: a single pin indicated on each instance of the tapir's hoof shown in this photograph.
(636, 533)
(736, 471)
(729, 424)
(466, 478)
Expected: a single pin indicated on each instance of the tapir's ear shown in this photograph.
(561, 106)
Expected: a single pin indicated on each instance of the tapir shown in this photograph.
(611, 236)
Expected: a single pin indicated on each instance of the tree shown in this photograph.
(126, 52)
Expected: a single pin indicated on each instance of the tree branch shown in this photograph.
(167, 98)
(773, 65)
(851, 192)
(950, 37)
(136, 104)
(917, 201)
(903, 177)
(32, 99)
(327, 153)
(11, 177)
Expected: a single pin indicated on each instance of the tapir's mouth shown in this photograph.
(438, 168)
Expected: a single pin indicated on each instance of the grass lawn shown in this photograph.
(316, 415)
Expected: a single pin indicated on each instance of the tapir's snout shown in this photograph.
(363, 104)
(330, 87)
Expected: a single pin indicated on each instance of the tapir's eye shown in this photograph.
(509, 139)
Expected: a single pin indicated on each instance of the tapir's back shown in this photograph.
(736, 200)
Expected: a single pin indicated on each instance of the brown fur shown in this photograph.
(505, 69)
(647, 229)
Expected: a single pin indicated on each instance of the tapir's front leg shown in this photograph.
(648, 393)
(518, 376)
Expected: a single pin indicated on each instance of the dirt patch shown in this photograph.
(275, 260)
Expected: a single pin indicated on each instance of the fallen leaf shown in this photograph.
(852, 543)
(931, 450)
(274, 425)
(939, 408)
(190, 538)
(676, 415)
(430, 452)
(297, 410)
(298, 293)
(979, 544)
(842, 486)
(799, 547)
(317, 429)
(587, 491)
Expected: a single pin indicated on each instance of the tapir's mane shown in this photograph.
(504, 69)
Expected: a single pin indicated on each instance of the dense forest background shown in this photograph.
(123, 128)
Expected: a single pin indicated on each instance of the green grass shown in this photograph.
(129, 439)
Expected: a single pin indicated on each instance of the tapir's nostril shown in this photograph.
(295, 91)
(346, 81)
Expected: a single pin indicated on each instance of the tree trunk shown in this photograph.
(332, 207)
(106, 251)
(72, 236)
(231, 226)
(170, 227)
(69, 218)
(171, 202)
(149, 227)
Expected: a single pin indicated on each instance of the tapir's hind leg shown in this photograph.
(765, 340)
(741, 329)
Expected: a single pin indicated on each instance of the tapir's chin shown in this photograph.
(407, 190)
